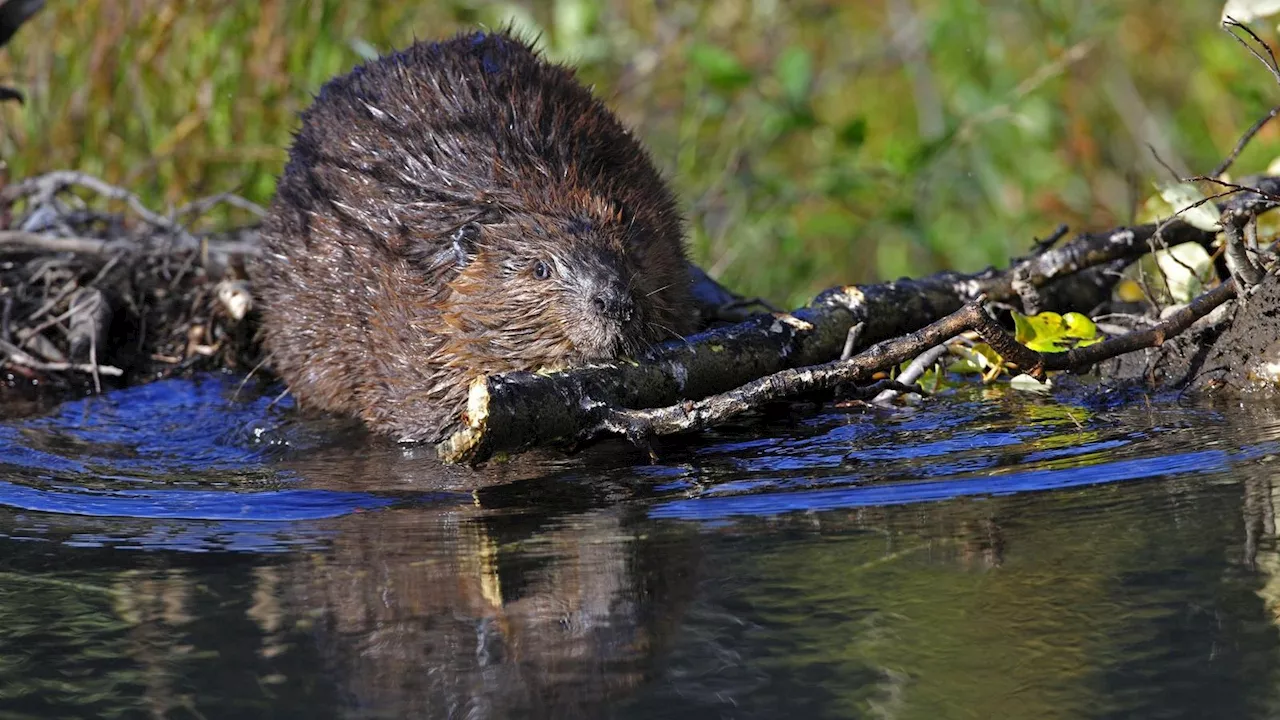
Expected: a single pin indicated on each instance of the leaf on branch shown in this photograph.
(1187, 202)
(1051, 332)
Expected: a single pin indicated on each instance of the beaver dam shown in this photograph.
(100, 292)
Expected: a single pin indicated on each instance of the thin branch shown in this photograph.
(1169, 169)
(95, 246)
(1269, 61)
(638, 425)
(18, 356)
(50, 243)
(1058, 233)
(1243, 141)
(49, 184)
(1234, 188)
(203, 205)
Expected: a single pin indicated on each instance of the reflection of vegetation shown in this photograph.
(63, 649)
(1077, 603)
(815, 142)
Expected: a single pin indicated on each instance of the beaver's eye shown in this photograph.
(541, 270)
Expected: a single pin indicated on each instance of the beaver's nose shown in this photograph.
(614, 304)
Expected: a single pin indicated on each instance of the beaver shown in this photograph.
(458, 208)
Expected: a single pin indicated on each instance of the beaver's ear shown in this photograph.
(465, 243)
(446, 255)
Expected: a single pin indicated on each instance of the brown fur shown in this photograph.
(460, 208)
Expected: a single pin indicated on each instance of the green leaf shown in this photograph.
(795, 74)
(1051, 332)
(1082, 328)
(719, 67)
(978, 359)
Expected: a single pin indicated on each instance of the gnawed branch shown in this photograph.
(717, 375)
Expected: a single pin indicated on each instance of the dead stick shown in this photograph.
(1243, 141)
(49, 243)
(18, 356)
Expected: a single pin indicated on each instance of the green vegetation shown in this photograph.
(813, 143)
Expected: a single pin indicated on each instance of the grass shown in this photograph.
(814, 143)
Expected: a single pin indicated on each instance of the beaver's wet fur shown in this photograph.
(454, 209)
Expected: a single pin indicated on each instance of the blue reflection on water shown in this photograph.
(277, 505)
(87, 458)
(161, 427)
(899, 493)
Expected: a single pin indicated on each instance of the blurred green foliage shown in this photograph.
(813, 142)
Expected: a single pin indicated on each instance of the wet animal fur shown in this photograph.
(454, 209)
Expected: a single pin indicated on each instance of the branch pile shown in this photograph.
(88, 294)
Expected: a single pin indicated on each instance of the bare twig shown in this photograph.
(1269, 196)
(18, 356)
(851, 341)
(913, 371)
(203, 205)
(1039, 246)
(47, 185)
(639, 425)
(1173, 174)
(50, 243)
(1243, 141)
(94, 246)
(1269, 61)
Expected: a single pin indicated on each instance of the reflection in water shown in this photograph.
(1006, 557)
(427, 615)
(450, 615)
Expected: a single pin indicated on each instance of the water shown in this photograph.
(184, 550)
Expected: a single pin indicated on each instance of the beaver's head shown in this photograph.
(545, 289)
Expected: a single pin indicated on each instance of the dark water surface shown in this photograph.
(172, 551)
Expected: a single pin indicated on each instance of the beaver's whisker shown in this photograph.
(660, 326)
